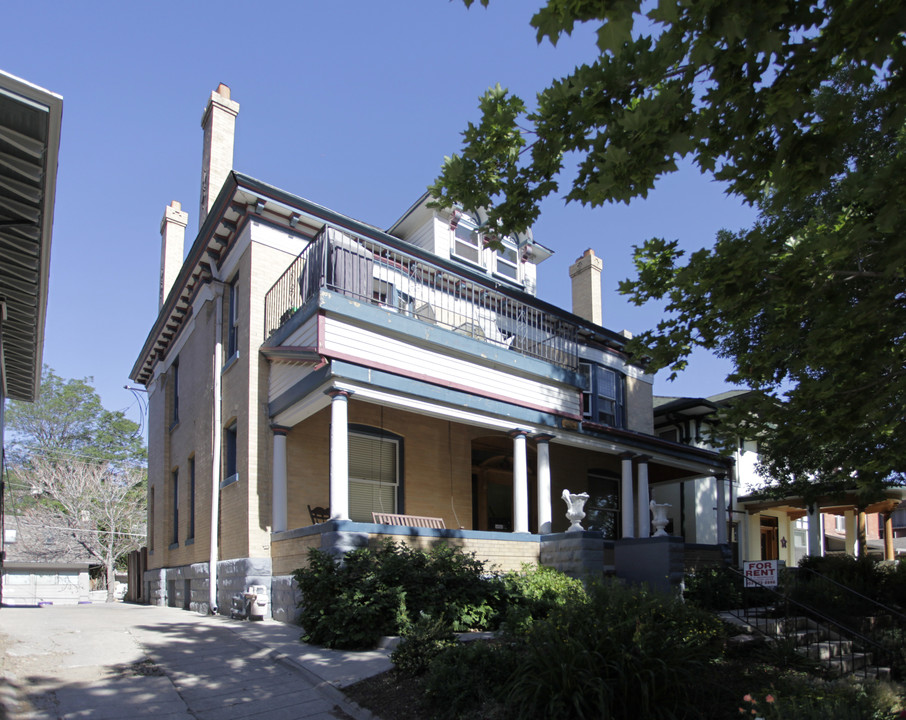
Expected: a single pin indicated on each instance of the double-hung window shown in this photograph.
(230, 459)
(191, 534)
(233, 320)
(507, 264)
(175, 500)
(373, 475)
(602, 395)
(174, 406)
(467, 244)
(603, 506)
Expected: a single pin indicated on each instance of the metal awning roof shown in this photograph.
(29, 149)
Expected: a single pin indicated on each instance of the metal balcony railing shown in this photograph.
(369, 271)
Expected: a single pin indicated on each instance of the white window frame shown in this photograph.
(469, 237)
(594, 396)
(365, 475)
(501, 259)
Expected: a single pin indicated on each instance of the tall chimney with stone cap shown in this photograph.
(172, 240)
(586, 277)
(219, 125)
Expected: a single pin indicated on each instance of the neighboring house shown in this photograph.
(43, 565)
(302, 359)
(29, 149)
(760, 527)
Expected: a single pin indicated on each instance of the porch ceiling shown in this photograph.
(30, 120)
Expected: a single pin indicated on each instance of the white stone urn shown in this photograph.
(659, 511)
(575, 511)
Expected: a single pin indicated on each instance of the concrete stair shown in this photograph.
(829, 648)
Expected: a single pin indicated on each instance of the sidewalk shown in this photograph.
(106, 662)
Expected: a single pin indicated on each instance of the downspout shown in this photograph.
(217, 451)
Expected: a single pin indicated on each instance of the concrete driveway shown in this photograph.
(132, 661)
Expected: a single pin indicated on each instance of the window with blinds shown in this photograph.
(373, 476)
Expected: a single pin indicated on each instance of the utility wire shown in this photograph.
(81, 530)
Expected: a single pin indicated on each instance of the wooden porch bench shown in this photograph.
(408, 520)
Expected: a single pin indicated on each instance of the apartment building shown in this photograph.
(315, 381)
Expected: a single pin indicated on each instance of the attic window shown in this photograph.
(466, 244)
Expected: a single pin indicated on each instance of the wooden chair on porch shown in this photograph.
(318, 514)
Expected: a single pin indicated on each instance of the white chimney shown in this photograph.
(586, 277)
(219, 125)
(172, 240)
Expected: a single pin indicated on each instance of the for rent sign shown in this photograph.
(760, 573)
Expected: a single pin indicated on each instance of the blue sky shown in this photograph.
(350, 104)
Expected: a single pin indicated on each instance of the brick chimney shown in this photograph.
(172, 240)
(219, 125)
(586, 277)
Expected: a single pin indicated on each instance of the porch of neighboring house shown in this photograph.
(787, 529)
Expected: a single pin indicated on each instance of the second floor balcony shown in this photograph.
(431, 291)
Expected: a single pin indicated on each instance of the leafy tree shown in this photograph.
(84, 467)
(69, 420)
(799, 107)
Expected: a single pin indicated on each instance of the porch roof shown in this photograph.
(795, 506)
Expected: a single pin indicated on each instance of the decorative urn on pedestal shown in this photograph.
(575, 512)
(659, 511)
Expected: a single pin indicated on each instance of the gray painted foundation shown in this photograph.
(655, 561)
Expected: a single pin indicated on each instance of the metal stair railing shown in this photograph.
(813, 576)
(756, 618)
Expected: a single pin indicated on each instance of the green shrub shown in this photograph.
(533, 593)
(617, 653)
(839, 700)
(713, 589)
(420, 643)
(347, 604)
(350, 602)
(471, 678)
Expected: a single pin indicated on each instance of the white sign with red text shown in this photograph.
(760, 573)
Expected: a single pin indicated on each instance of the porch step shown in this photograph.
(848, 664)
(827, 649)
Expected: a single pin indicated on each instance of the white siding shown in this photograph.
(306, 335)
(283, 376)
(375, 349)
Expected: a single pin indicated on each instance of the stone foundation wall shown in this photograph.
(285, 597)
(188, 586)
(655, 561)
(584, 555)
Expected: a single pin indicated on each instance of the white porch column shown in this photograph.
(339, 454)
(544, 483)
(753, 524)
(278, 490)
(815, 544)
(627, 496)
(520, 482)
(644, 496)
(850, 524)
(720, 482)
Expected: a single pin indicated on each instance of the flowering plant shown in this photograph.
(751, 708)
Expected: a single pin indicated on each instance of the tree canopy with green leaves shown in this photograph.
(799, 108)
(68, 420)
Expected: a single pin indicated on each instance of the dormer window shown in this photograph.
(507, 263)
(467, 244)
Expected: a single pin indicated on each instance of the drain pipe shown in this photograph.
(216, 450)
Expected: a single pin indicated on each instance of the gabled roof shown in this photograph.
(29, 149)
